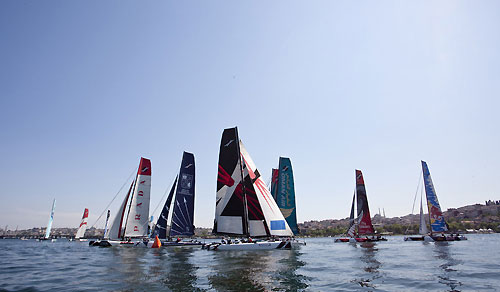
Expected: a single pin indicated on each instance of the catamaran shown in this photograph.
(283, 191)
(80, 233)
(135, 229)
(360, 228)
(181, 223)
(49, 224)
(244, 205)
(439, 227)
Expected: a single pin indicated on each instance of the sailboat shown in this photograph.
(438, 224)
(283, 191)
(362, 224)
(422, 229)
(49, 224)
(131, 227)
(182, 220)
(80, 233)
(244, 205)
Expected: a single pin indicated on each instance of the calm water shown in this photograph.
(322, 265)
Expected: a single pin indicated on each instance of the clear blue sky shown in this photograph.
(88, 87)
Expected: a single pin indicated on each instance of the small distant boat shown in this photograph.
(80, 233)
(360, 228)
(49, 224)
(181, 223)
(439, 227)
(244, 205)
(422, 229)
(283, 191)
(131, 228)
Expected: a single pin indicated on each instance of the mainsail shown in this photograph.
(285, 194)
(136, 223)
(244, 205)
(351, 231)
(83, 225)
(51, 219)
(161, 224)
(437, 222)
(182, 217)
(230, 213)
(365, 223)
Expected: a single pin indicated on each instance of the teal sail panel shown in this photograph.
(285, 194)
(51, 219)
(437, 221)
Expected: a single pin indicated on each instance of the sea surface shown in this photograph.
(321, 265)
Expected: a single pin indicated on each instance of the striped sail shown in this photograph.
(161, 224)
(437, 222)
(83, 224)
(274, 222)
(352, 222)
(230, 215)
(285, 194)
(51, 219)
(365, 222)
(183, 214)
(137, 220)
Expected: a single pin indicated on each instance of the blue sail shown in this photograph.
(161, 224)
(285, 194)
(51, 219)
(182, 218)
(437, 222)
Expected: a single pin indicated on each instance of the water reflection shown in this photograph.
(448, 263)
(371, 267)
(178, 273)
(274, 270)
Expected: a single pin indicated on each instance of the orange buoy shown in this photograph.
(157, 243)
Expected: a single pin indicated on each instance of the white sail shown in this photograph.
(114, 231)
(83, 225)
(137, 220)
(274, 218)
(51, 219)
(423, 226)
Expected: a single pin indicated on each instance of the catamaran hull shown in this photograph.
(360, 239)
(115, 243)
(177, 244)
(261, 245)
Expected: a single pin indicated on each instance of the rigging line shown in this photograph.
(105, 209)
(415, 198)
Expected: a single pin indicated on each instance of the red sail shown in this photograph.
(365, 224)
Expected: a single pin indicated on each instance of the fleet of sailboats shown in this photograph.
(248, 215)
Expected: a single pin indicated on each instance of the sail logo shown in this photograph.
(186, 181)
(228, 143)
(188, 166)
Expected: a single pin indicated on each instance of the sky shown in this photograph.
(89, 87)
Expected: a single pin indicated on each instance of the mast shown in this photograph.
(244, 193)
(121, 234)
